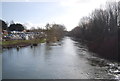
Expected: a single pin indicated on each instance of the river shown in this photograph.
(66, 59)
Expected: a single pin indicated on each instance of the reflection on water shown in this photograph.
(65, 59)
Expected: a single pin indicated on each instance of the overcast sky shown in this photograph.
(40, 12)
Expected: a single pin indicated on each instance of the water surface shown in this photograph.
(66, 59)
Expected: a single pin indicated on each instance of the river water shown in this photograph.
(66, 59)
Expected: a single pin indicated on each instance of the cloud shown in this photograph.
(29, 25)
(75, 10)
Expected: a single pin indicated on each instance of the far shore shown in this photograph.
(21, 43)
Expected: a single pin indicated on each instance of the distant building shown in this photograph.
(21, 35)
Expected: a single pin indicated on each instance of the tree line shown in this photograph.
(12, 26)
(101, 31)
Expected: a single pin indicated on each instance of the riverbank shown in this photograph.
(20, 43)
(107, 48)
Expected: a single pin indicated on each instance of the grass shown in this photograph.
(21, 42)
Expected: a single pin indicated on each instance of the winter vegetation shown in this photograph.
(101, 30)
